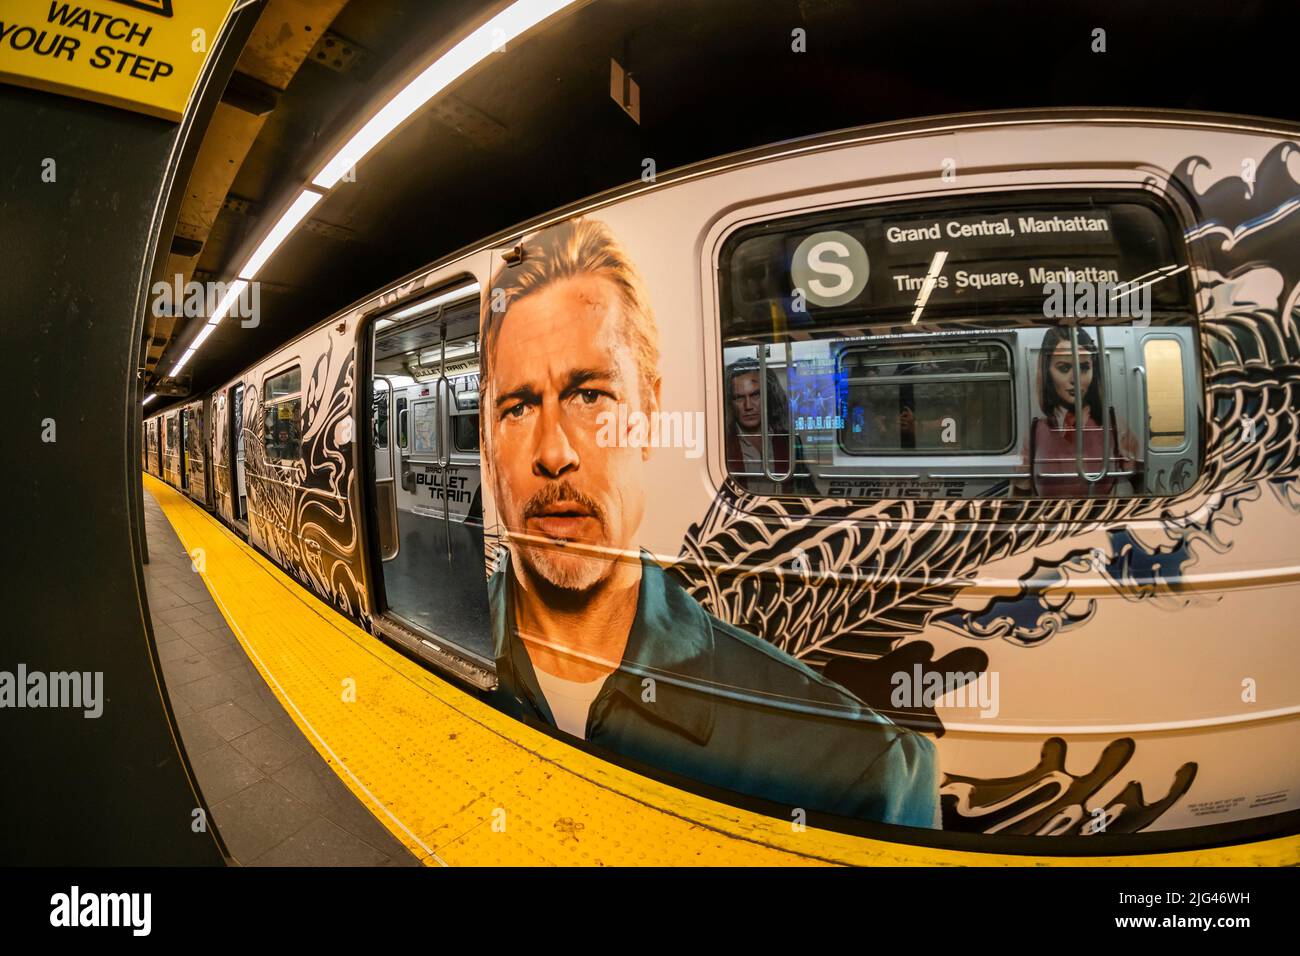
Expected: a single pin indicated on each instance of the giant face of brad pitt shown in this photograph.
(573, 342)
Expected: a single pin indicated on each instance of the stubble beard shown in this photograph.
(557, 564)
(564, 570)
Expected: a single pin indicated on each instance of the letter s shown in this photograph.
(843, 273)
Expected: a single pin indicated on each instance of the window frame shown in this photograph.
(1166, 198)
(402, 403)
(913, 455)
(268, 404)
(1148, 437)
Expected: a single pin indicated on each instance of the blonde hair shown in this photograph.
(576, 247)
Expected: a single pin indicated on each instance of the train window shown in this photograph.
(282, 416)
(949, 397)
(401, 423)
(464, 432)
(964, 347)
(1166, 399)
(284, 384)
(464, 422)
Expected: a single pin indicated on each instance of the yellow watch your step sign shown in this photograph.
(142, 55)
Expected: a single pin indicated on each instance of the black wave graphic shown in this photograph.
(1048, 800)
(303, 514)
(873, 680)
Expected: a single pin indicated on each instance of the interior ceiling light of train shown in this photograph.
(359, 140)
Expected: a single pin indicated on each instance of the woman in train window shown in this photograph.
(1053, 449)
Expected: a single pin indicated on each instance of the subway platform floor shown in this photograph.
(274, 800)
(451, 778)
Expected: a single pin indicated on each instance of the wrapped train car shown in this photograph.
(940, 474)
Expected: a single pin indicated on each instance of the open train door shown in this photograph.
(425, 479)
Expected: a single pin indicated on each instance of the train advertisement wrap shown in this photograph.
(1021, 627)
(825, 484)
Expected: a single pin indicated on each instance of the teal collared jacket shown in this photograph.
(730, 710)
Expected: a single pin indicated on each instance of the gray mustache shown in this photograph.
(561, 492)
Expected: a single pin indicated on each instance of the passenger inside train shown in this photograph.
(748, 430)
(1064, 388)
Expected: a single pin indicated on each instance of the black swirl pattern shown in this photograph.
(301, 514)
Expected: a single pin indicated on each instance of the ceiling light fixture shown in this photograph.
(203, 335)
(295, 214)
(284, 226)
(428, 305)
(491, 37)
(181, 364)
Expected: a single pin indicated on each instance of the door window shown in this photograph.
(282, 416)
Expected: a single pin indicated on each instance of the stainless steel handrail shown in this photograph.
(1075, 474)
(1143, 410)
(443, 392)
(392, 466)
(1099, 363)
(1107, 416)
(982, 475)
(764, 434)
(929, 377)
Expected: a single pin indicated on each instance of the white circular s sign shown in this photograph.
(830, 267)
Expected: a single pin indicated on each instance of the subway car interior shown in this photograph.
(610, 433)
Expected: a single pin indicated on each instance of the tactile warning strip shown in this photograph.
(460, 783)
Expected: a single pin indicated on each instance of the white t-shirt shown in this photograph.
(570, 701)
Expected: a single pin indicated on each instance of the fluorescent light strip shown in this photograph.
(285, 225)
(931, 279)
(223, 307)
(148, 398)
(203, 335)
(506, 26)
(295, 214)
(428, 305)
(181, 364)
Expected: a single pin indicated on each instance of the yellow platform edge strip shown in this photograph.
(459, 783)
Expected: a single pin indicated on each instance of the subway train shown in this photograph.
(939, 475)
